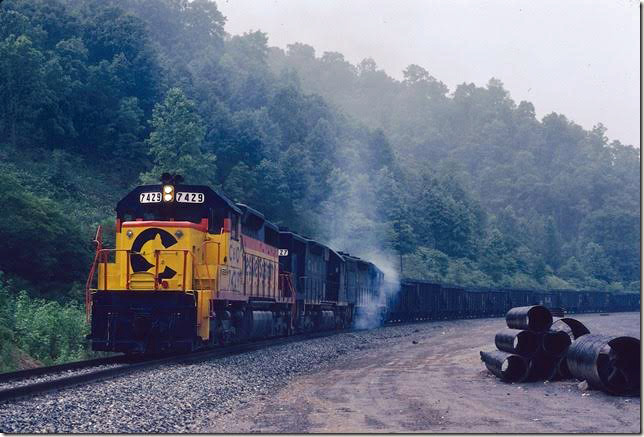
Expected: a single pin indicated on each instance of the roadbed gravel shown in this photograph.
(431, 379)
(56, 375)
(417, 377)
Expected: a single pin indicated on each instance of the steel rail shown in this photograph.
(58, 368)
(114, 372)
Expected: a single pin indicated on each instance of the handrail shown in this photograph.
(103, 255)
(98, 240)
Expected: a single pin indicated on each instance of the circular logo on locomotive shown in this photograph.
(140, 263)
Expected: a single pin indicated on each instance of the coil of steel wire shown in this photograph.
(611, 364)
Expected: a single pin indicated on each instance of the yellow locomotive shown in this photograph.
(192, 268)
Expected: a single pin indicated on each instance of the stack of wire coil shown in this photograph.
(532, 347)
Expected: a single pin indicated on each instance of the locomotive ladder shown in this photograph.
(287, 283)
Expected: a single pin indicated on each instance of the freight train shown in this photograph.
(192, 269)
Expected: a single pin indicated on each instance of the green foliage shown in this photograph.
(496, 259)
(427, 263)
(43, 330)
(597, 263)
(51, 332)
(176, 142)
(572, 270)
(40, 243)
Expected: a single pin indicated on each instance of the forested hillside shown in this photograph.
(459, 185)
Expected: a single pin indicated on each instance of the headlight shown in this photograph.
(168, 193)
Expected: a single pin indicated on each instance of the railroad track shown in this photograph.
(124, 365)
(59, 368)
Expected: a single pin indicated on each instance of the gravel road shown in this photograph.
(367, 381)
(431, 379)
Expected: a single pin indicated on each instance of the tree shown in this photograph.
(496, 257)
(573, 270)
(551, 244)
(176, 140)
(597, 263)
(23, 87)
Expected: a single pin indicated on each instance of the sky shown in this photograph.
(580, 58)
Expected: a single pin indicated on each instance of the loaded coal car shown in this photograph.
(632, 301)
(430, 294)
(519, 297)
(549, 299)
(412, 299)
(452, 301)
(475, 302)
(423, 298)
(584, 301)
(570, 300)
(624, 301)
(398, 307)
(498, 302)
(597, 300)
(618, 302)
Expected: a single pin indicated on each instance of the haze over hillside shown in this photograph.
(574, 57)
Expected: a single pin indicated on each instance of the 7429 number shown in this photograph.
(150, 197)
(190, 197)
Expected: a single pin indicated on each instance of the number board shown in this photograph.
(150, 197)
(282, 252)
(190, 197)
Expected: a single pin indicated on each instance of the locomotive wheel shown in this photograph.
(308, 322)
(280, 325)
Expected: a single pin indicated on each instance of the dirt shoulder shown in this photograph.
(432, 380)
